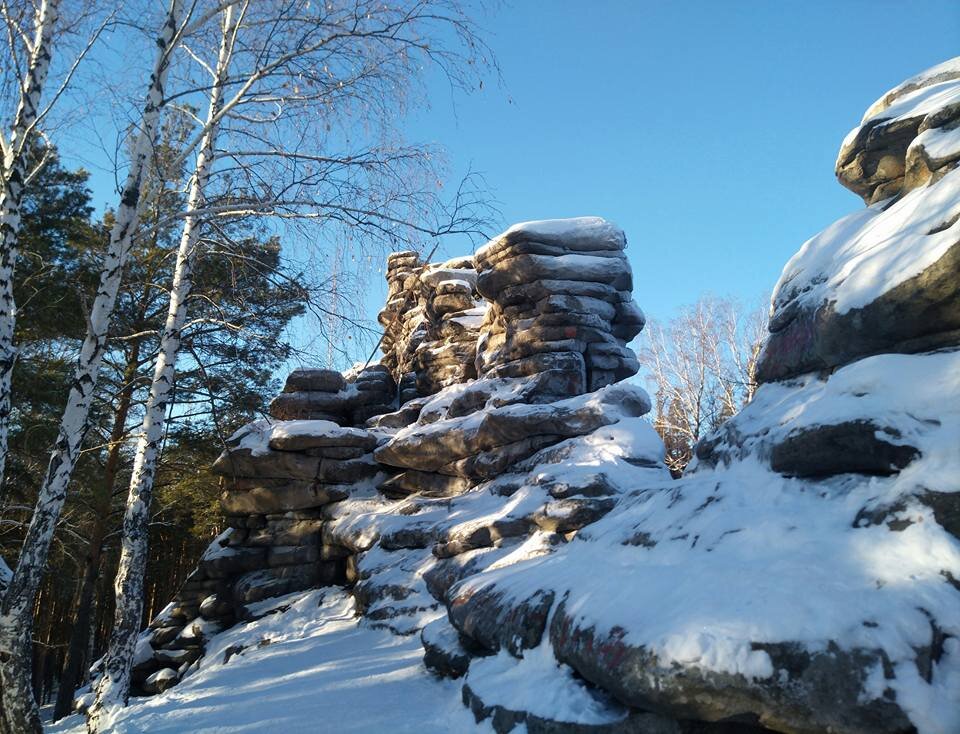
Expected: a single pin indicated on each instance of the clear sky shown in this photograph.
(707, 130)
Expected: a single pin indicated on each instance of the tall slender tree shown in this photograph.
(16, 154)
(114, 685)
(20, 713)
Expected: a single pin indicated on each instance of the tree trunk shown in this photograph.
(11, 197)
(19, 708)
(80, 632)
(113, 689)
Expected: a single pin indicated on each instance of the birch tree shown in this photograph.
(701, 365)
(282, 67)
(114, 685)
(19, 708)
(15, 148)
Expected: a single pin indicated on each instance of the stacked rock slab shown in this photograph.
(431, 322)
(561, 304)
(277, 478)
(454, 313)
(403, 320)
(318, 394)
(801, 577)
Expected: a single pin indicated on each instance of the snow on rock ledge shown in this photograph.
(882, 279)
(802, 577)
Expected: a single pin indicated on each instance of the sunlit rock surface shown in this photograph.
(491, 497)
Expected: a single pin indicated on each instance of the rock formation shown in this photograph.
(512, 506)
(431, 323)
(561, 306)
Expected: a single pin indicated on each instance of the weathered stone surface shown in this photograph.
(162, 635)
(288, 555)
(232, 561)
(269, 464)
(572, 513)
(442, 651)
(259, 585)
(176, 658)
(918, 315)
(504, 720)
(442, 444)
(807, 694)
(294, 495)
(287, 532)
(853, 446)
(523, 269)
(428, 484)
(215, 606)
(161, 681)
(472, 535)
(314, 380)
(337, 437)
(494, 621)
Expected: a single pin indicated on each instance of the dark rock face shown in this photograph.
(851, 447)
(443, 652)
(505, 720)
(494, 622)
(880, 159)
(919, 315)
(315, 394)
(807, 693)
(558, 294)
(904, 154)
(458, 446)
(431, 323)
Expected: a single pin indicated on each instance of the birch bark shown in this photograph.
(15, 156)
(113, 688)
(20, 712)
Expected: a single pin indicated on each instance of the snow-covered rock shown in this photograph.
(882, 279)
(802, 577)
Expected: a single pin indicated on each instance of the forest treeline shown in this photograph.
(259, 155)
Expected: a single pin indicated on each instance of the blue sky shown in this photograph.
(707, 130)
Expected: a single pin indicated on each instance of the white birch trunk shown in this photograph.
(11, 198)
(19, 708)
(113, 688)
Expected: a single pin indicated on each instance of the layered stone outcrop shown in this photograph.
(882, 279)
(277, 480)
(561, 305)
(431, 323)
(345, 399)
(801, 577)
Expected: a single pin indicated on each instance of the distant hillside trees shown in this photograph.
(701, 369)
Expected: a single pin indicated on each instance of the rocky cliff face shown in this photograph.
(512, 507)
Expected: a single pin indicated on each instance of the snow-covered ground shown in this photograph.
(313, 668)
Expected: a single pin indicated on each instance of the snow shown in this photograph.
(865, 254)
(940, 143)
(471, 318)
(916, 395)
(920, 102)
(315, 667)
(291, 429)
(740, 555)
(944, 71)
(256, 435)
(218, 547)
(539, 685)
(5, 574)
(576, 232)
